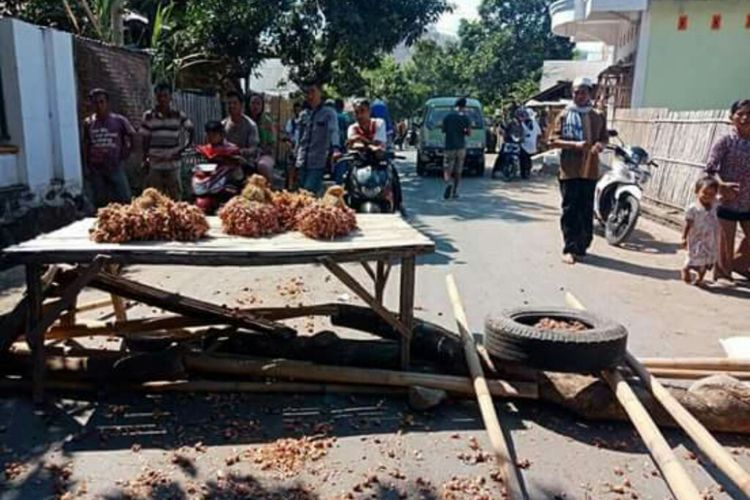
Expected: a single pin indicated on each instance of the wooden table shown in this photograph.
(380, 240)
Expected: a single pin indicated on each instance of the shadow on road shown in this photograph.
(630, 268)
(644, 242)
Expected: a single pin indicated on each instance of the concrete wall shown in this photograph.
(698, 68)
(40, 97)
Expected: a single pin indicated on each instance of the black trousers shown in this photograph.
(577, 221)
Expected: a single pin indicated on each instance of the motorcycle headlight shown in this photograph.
(371, 191)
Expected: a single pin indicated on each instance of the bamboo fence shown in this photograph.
(679, 142)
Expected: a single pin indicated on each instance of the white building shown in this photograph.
(39, 129)
(678, 54)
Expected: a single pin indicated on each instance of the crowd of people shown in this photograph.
(317, 133)
(320, 131)
(722, 194)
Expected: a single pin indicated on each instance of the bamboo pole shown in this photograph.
(700, 436)
(304, 371)
(511, 475)
(96, 304)
(678, 374)
(672, 471)
(674, 474)
(211, 386)
(720, 364)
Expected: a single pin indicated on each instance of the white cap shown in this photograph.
(582, 81)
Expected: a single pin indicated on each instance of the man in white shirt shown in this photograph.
(529, 144)
(366, 131)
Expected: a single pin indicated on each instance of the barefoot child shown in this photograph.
(701, 234)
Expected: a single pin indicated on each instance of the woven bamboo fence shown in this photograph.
(200, 108)
(679, 142)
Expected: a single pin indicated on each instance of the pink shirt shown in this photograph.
(105, 140)
(730, 158)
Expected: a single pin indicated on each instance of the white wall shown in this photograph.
(40, 98)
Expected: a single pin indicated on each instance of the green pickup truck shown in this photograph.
(432, 139)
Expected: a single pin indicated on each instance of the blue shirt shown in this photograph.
(318, 134)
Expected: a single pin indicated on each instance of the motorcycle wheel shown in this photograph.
(622, 220)
(507, 172)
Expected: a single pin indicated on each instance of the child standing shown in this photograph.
(701, 234)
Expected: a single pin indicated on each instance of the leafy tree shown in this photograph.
(497, 59)
(232, 36)
(333, 40)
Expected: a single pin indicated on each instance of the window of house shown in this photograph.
(4, 135)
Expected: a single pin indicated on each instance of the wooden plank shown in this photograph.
(187, 306)
(511, 475)
(374, 234)
(300, 370)
(34, 336)
(406, 306)
(358, 289)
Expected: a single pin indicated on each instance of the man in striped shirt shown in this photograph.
(166, 134)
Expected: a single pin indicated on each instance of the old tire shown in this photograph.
(511, 336)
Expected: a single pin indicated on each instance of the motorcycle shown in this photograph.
(371, 181)
(219, 178)
(617, 199)
(508, 161)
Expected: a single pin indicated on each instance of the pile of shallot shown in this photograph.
(251, 214)
(328, 218)
(151, 216)
(289, 205)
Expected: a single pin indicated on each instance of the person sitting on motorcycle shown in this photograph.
(366, 131)
(218, 150)
(371, 133)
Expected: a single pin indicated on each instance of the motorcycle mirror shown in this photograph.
(613, 133)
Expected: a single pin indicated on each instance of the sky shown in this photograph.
(463, 9)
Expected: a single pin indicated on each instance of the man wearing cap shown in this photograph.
(318, 136)
(581, 133)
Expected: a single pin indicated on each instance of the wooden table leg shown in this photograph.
(406, 306)
(380, 281)
(118, 303)
(34, 336)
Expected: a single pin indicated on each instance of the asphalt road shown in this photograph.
(502, 243)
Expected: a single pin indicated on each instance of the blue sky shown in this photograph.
(463, 9)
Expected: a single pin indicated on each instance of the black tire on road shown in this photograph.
(511, 336)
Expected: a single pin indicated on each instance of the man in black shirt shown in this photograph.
(456, 126)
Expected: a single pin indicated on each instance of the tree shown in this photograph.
(232, 37)
(497, 59)
(334, 40)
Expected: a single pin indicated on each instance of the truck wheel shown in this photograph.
(512, 336)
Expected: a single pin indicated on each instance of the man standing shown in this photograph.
(318, 136)
(241, 130)
(162, 129)
(107, 142)
(530, 144)
(456, 126)
(581, 133)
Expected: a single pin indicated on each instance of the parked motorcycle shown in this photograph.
(218, 178)
(371, 181)
(617, 200)
(508, 162)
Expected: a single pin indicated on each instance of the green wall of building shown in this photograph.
(698, 68)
